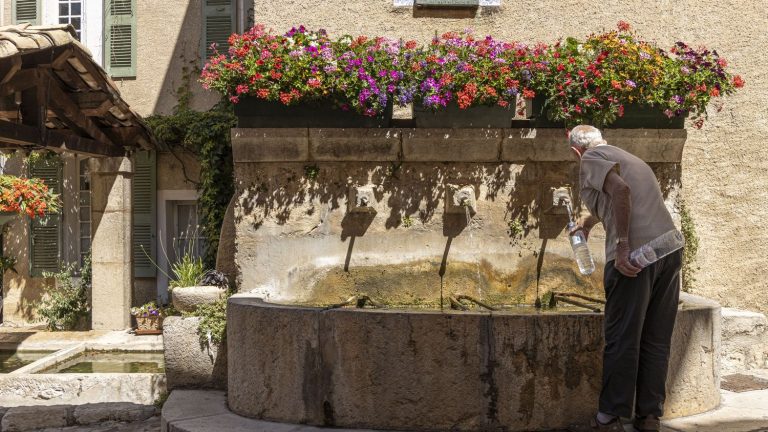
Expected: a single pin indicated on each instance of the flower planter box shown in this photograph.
(257, 113)
(635, 117)
(149, 325)
(454, 117)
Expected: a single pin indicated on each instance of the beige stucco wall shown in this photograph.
(724, 164)
(168, 35)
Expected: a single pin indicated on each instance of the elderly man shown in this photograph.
(622, 192)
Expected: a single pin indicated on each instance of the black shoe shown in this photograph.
(647, 424)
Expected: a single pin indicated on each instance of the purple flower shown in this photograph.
(370, 59)
(630, 83)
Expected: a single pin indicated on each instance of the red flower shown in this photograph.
(262, 93)
(623, 26)
(738, 81)
(528, 94)
(714, 92)
(621, 110)
(411, 44)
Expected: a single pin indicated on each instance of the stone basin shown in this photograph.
(432, 370)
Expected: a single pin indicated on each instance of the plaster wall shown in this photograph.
(168, 53)
(20, 290)
(724, 164)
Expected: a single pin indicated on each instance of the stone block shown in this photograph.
(187, 404)
(540, 145)
(270, 145)
(451, 145)
(111, 165)
(650, 145)
(354, 144)
(745, 341)
(27, 418)
(111, 297)
(186, 299)
(225, 256)
(112, 237)
(120, 411)
(187, 363)
(234, 423)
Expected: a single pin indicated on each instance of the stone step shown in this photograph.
(30, 418)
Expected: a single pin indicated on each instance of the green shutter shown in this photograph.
(45, 232)
(144, 232)
(120, 37)
(26, 11)
(218, 25)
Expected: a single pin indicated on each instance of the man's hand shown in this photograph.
(584, 224)
(622, 263)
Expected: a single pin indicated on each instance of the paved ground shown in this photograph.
(150, 425)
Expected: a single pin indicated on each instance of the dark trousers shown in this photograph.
(639, 316)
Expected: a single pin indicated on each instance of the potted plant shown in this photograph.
(305, 79)
(460, 81)
(25, 196)
(149, 318)
(615, 79)
(193, 285)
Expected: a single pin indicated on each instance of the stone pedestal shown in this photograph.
(111, 247)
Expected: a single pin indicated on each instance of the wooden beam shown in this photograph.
(23, 135)
(71, 115)
(22, 80)
(13, 66)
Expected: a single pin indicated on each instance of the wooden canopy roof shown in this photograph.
(53, 95)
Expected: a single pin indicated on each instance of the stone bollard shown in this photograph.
(188, 364)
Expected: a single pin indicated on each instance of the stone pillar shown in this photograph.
(112, 242)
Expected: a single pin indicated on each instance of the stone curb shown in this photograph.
(206, 411)
(29, 418)
(440, 145)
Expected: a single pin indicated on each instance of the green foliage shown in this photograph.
(311, 172)
(205, 134)
(407, 221)
(65, 303)
(213, 322)
(7, 263)
(186, 272)
(516, 228)
(691, 247)
(160, 401)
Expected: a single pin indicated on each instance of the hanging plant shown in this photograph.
(27, 196)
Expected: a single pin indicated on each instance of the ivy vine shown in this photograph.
(207, 135)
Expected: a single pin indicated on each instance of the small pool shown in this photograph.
(10, 360)
(112, 362)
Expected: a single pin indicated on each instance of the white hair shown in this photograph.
(585, 136)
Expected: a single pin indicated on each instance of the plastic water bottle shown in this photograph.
(581, 250)
(657, 248)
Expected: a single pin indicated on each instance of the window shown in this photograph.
(71, 12)
(218, 25)
(187, 236)
(26, 11)
(120, 37)
(84, 209)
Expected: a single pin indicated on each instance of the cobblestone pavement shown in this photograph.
(151, 424)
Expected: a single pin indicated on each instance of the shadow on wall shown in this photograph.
(183, 66)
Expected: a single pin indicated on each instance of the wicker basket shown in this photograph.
(149, 323)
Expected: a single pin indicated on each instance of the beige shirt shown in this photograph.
(649, 217)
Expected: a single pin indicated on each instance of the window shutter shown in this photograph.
(45, 232)
(120, 35)
(26, 11)
(218, 25)
(144, 231)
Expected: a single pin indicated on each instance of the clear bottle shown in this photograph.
(657, 248)
(581, 250)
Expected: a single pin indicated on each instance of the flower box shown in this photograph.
(149, 323)
(635, 117)
(257, 113)
(454, 117)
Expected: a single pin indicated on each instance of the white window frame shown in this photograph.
(91, 24)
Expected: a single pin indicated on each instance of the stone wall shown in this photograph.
(297, 240)
(724, 165)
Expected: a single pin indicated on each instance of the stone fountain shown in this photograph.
(413, 219)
